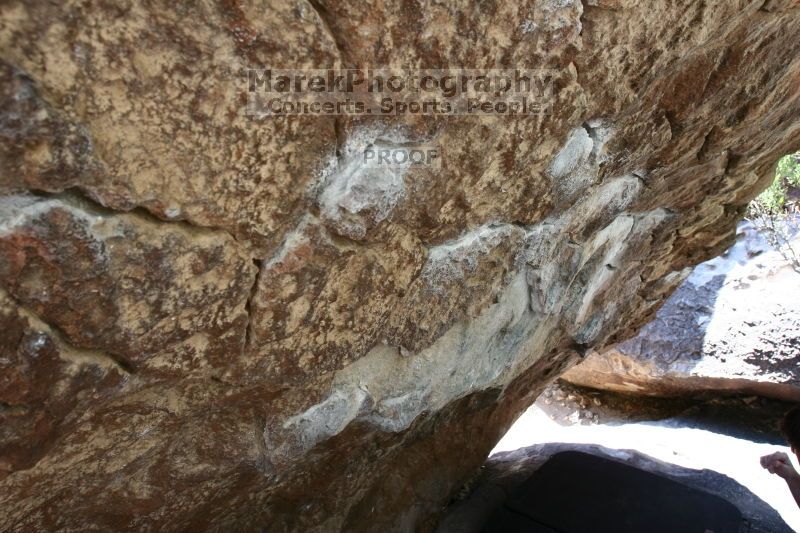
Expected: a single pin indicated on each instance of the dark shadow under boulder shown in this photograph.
(574, 488)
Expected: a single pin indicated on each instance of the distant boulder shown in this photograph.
(732, 326)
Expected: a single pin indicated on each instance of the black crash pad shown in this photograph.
(575, 492)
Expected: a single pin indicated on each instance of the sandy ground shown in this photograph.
(727, 438)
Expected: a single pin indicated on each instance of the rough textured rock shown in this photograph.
(732, 326)
(216, 322)
(505, 472)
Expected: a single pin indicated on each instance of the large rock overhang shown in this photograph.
(216, 322)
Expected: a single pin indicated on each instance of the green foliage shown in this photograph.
(770, 214)
(789, 169)
(773, 200)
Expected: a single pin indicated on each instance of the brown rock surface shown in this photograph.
(153, 379)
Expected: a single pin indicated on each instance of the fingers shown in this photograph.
(777, 456)
(778, 463)
(775, 462)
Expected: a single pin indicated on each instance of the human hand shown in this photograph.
(779, 464)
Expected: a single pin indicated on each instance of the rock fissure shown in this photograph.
(71, 353)
(248, 332)
(83, 199)
(325, 16)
